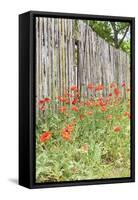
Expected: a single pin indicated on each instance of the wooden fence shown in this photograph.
(69, 54)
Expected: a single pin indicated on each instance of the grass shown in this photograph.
(89, 139)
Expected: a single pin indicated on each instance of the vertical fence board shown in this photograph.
(57, 48)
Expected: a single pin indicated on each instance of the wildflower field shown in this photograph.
(81, 138)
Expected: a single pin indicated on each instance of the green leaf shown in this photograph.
(97, 153)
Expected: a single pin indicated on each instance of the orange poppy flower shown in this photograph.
(90, 86)
(74, 108)
(127, 114)
(112, 85)
(81, 117)
(88, 103)
(75, 101)
(117, 129)
(70, 95)
(103, 108)
(66, 135)
(89, 113)
(62, 109)
(67, 101)
(100, 98)
(42, 108)
(96, 103)
(45, 100)
(45, 136)
(70, 128)
(81, 103)
(99, 87)
(101, 103)
(41, 101)
(74, 88)
(116, 92)
(61, 99)
(123, 84)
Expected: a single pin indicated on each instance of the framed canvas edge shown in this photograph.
(31, 61)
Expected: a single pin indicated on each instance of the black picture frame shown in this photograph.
(27, 99)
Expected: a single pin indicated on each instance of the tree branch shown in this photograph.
(113, 26)
(123, 36)
(115, 37)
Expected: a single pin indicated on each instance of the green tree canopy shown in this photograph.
(116, 33)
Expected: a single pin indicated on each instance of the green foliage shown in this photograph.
(125, 46)
(116, 33)
(94, 150)
(103, 29)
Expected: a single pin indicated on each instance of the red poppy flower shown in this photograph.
(75, 101)
(45, 100)
(67, 101)
(117, 129)
(88, 103)
(90, 86)
(123, 84)
(41, 101)
(127, 114)
(103, 108)
(61, 99)
(74, 88)
(42, 108)
(89, 113)
(112, 85)
(81, 103)
(70, 128)
(67, 130)
(70, 95)
(96, 103)
(66, 135)
(81, 117)
(100, 98)
(45, 136)
(116, 92)
(99, 87)
(74, 108)
(101, 103)
(62, 109)
(110, 94)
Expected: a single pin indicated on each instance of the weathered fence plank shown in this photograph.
(64, 58)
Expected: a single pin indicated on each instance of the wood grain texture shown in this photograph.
(66, 57)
